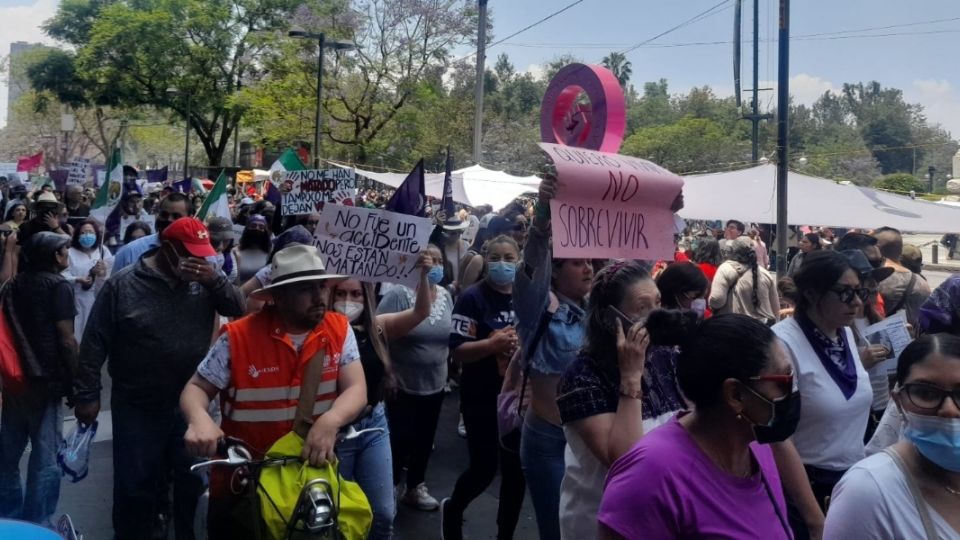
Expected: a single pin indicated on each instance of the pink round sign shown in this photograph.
(597, 123)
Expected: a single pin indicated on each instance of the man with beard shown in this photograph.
(154, 321)
(173, 207)
(77, 209)
(257, 366)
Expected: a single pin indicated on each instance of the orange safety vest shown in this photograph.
(266, 371)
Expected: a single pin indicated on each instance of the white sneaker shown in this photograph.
(461, 429)
(420, 498)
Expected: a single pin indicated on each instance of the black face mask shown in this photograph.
(783, 423)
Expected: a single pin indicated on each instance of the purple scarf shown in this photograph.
(835, 356)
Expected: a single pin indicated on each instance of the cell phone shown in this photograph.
(611, 315)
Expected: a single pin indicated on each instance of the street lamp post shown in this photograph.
(931, 170)
(186, 131)
(322, 43)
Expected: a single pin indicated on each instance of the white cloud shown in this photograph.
(22, 23)
(940, 100)
(536, 70)
(806, 89)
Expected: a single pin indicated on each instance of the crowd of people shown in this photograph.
(700, 397)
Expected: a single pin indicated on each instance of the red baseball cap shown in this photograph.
(192, 234)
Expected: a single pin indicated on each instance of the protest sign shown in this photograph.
(77, 171)
(371, 245)
(8, 169)
(310, 189)
(611, 206)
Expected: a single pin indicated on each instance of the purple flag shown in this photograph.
(183, 186)
(157, 175)
(410, 197)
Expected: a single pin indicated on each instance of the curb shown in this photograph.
(942, 267)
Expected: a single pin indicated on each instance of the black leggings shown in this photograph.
(479, 407)
(413, 425)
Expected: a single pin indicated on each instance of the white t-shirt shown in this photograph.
(582, 486)
(831, 428)
(873, 501)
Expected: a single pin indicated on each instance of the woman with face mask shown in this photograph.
(253, 251)
(367, 459)
(835, 387)
(709, 472)
(619, 387)
(420, 363)
(683, 286)
(483, 339)
(911, 489)
(90, 264)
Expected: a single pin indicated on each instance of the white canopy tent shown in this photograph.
(750, 195)
(473, 186)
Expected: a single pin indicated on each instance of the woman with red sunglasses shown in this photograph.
(834, 386)
(711, 472)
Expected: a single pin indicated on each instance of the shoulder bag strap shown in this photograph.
(925, 518)
(906, 294)
(303, 419)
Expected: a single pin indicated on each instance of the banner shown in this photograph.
(306, 191)
(77, 171)
(611, 206)
(372, 245)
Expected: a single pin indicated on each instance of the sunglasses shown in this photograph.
(847, 294)
(929, 397)
(785, 382)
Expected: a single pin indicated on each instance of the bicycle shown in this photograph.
(316, 511)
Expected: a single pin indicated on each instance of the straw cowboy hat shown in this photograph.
(291, 265)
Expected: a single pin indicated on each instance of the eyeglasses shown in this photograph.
(929, 397)
(846, 294)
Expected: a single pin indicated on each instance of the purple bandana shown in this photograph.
(835, 356)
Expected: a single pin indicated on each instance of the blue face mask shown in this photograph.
(501, 273)
(87, 240)
(936, 438)
(435, 275)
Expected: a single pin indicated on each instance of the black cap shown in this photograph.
(861, 265)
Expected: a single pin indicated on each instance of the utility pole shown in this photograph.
(755, 117)
(783, 113)
(478, 98)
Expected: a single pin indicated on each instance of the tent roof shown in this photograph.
(473, 186)
(750, 195)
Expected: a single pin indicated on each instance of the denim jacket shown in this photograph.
(562, 340)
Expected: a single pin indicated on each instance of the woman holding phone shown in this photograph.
(619, 387)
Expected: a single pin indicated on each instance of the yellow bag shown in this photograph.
(280, 485)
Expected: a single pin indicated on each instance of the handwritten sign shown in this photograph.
(611, 206)
(371, 245)
(77, 172)
(310, 189)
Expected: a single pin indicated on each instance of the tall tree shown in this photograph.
(129, 54)
(621, 67)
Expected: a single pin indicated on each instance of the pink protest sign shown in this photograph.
(611, 206)
(565, 119)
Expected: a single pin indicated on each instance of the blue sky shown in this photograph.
(918, 63)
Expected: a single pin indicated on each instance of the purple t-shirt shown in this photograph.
(666, 487)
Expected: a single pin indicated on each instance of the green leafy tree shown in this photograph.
(901, 182)
(689, 145)
(128, 54)
(886, 123)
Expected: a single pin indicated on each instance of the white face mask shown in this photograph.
(699, 306)
(352, 310)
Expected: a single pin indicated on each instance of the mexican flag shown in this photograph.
(216, 204)
(109, 194)
(288, 161)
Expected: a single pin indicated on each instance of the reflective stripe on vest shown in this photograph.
(278, 393)
(275, 415)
